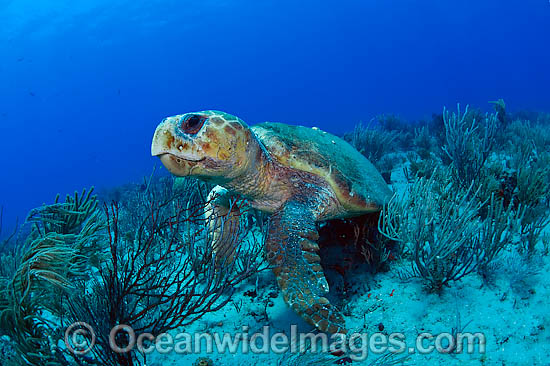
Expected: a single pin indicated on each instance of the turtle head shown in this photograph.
(210, 145)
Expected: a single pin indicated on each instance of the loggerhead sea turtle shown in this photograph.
(297, 174)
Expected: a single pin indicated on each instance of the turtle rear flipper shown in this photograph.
(292, 252)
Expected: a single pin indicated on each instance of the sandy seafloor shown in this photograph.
(513, 315)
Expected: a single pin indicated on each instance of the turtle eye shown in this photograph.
(192, 123)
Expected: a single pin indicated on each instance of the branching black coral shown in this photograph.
(162, 275)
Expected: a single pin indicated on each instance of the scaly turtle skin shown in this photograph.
(297, 174)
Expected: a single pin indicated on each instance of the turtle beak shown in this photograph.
(163, 139)
(162, 147)
(174, 153)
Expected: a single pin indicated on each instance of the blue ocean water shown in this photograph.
(83, 84)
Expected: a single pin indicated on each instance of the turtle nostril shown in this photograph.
(192, 123)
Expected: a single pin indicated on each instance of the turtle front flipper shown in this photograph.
(292, 252)
(223, 217)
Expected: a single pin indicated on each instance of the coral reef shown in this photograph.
(42, 271)
(468, 144)
(376, 144)
(147, 265)
(468, 223)
(473, 184)
(437, 226)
